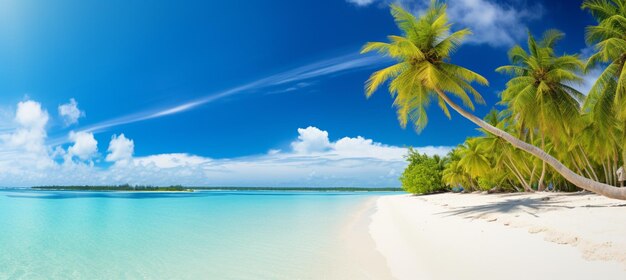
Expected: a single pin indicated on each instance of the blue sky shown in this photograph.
(225, 93)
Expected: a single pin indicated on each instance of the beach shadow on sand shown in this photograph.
(514, 203)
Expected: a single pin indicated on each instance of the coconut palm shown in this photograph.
(455, 175)
(474, 158)
(539, 95)
(423, 72)
(507, 158)
(606, 102)
(609, 40)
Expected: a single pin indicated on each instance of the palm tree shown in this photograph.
(609, 37)
(539, 95)
(423, 73)
(454, 174)
(474, 158)
(606, 102)
(508, 158)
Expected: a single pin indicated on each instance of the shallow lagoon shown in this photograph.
(204, 234)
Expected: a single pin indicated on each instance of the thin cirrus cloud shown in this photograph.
(492, 23)
(296, 76)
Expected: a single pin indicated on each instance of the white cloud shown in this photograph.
(30, 133)
(434, 150)
(587, 52)
(120, 148)
(85, 145)
(30, 115)
(360, 147)
(311, 139)
(589, 79)
(361, 2)
(493, 23)
(170, 160)
(70, 112)
(23, 146)
(313, 159)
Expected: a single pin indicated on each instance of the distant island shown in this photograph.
(191, 189)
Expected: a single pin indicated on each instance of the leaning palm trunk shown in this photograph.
(569, 175)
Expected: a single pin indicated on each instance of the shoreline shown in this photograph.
(359, 248)
(501, 236)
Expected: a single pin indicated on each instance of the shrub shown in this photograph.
(423, 175)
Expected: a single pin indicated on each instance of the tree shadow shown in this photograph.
(514, 203)
(526, 205)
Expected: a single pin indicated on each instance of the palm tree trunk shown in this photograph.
(606, 173)
(580, 172)
(581, 164)
(616, 183)
(540, 186)
(589, 165)
(611, 174)
(519, 177)
(532, 175)
(513, 185)
(569, 175)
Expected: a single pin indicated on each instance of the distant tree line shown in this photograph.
(125, 187)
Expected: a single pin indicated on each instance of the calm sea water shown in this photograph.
(200, 235)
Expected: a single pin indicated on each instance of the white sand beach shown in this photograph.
(501, 236)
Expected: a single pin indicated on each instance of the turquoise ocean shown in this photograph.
(198, 235)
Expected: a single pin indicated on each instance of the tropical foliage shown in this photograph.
(547, 134)
(423, 174)
(422, 71)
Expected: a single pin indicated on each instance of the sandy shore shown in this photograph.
(358, 254)
(506, 236)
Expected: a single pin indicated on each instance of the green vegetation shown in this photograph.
(423, 175)
(548, 134)
(116, 188)
(188, 189)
